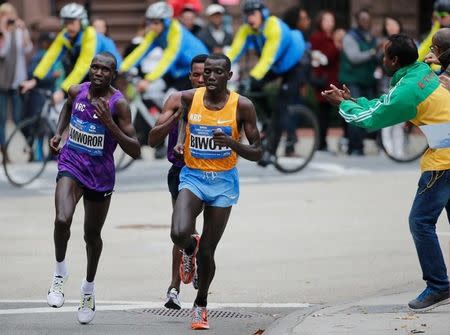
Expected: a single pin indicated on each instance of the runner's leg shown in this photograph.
(186, 210)
(176, 259)
(94, 217)
(215, 221)
(67, 195)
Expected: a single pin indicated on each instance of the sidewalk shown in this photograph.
(381, 315)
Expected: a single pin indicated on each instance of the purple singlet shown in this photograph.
(88, 152)
(173, 137)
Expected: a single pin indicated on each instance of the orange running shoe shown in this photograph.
(187, 265)
(199, 318)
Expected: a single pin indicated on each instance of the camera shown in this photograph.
(10, 22)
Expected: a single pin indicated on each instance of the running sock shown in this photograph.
(190, 250)
(87, 287)
(61, 269)
(201, 302)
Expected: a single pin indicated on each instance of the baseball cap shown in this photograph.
(214, 9)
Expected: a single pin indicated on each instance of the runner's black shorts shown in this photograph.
(88, 194)
(173, 180)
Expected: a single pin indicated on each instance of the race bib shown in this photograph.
(86, 137)
(202, 145)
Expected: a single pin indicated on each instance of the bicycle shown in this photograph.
(402, 143)
(27, 146)
(305, 139)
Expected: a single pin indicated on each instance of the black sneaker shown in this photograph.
(428, 300)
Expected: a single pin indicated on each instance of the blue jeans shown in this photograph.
(16, 102)
(433, 195)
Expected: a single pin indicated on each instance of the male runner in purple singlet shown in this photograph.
(98, 118)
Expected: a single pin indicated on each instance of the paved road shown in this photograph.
(335, 232)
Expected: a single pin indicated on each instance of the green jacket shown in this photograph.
(415, 95)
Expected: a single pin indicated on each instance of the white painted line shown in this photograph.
(127, 305)
(71, 309)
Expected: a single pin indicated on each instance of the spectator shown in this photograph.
(298, 18)
(391, 26)
(100, 26)
(415, 95)
(35, 99)
(357, 66)
(326, 73)
(338, 38)
(213, 35)
(188, 18)
(179, 5)
(15, 43)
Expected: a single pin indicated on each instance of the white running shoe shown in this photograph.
(173, 301)
(55, 295)
(86, 311)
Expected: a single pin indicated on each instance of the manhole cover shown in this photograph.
(144, 226)
(186, 313)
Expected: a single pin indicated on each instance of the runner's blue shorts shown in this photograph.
(216, 189)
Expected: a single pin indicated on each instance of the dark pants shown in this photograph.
(325, 110)
(16, 103)
(281, 119)
(433, 195)
(356, 134)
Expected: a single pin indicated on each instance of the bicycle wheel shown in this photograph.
(296, 150)
(27, 151)
(403, 143)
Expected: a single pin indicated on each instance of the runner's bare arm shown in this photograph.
(123, 131)
(64, 118)
(186, 101)
(170, 115)
(246, 118)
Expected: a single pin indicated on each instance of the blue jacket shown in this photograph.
(279, 47)
(179, 46)
(86, 45)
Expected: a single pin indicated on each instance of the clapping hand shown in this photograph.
(335, 95)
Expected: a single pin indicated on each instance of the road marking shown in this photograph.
(128, 305)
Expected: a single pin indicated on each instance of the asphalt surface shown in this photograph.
(334, 232)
